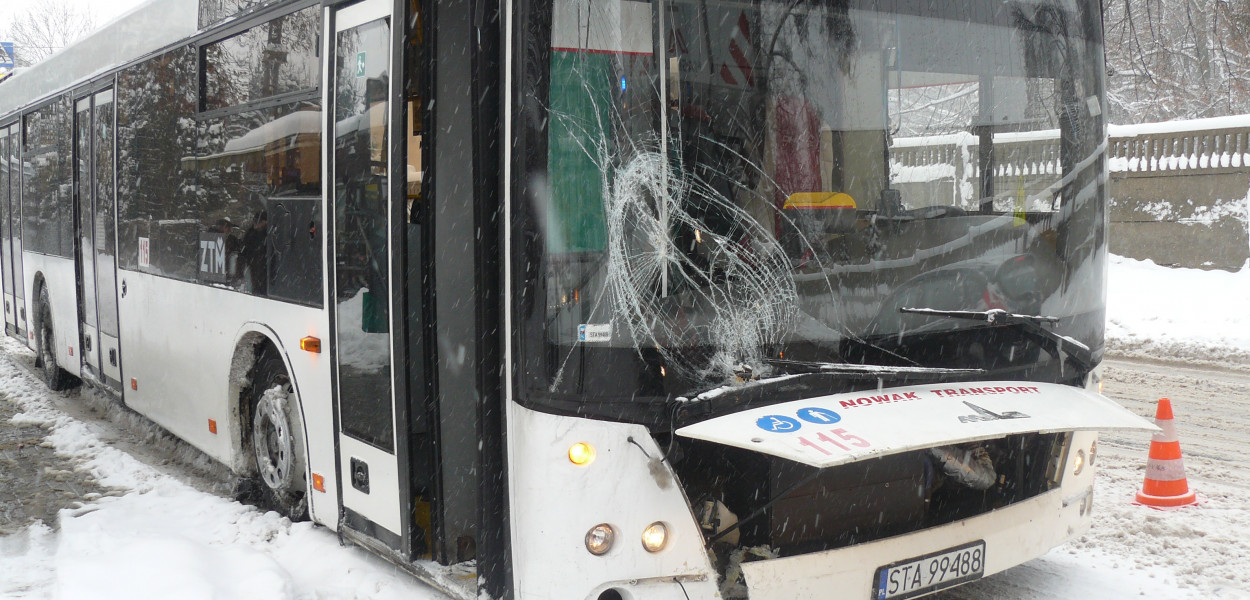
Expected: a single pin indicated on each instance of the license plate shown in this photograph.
(931, 572)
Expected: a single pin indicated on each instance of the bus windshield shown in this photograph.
(720, 189)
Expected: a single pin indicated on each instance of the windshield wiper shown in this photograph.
(1064, 346)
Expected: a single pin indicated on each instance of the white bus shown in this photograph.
(603, 300)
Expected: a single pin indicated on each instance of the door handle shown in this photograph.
(123, 288)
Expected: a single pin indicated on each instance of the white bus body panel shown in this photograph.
(860, 425)
(178, 341)
(556, 502)
(59, 278)
(89, 332)
(381, 504)
(1013, 535)
(110, 368)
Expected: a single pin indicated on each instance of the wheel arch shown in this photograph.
(250, 341)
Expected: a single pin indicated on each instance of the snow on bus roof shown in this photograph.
(145, 29)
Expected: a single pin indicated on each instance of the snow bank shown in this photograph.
(1178, 314)
(160, 538)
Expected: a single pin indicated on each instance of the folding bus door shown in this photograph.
(369, 346)
(6, 264)
(84, 244)
(104, 234)
(15, 234)
(96, 239)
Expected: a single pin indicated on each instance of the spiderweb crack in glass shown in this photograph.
(745, 288)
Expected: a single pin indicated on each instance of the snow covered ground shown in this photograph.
(162, 538)
(1178, 314)
(168, 531)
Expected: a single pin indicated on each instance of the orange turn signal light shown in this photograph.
(212, 426)
(310, 344)
(134, 384)
(319, 483)
(581, 454)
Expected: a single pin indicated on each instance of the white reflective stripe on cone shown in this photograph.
(1166, 470)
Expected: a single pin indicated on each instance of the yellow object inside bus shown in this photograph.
(819, 201)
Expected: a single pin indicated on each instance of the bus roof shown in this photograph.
(145, 29)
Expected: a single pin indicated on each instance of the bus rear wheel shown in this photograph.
(53, 374)
(277, 439)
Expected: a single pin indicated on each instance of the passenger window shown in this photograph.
(275, 58)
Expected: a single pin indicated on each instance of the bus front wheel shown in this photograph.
(53, 374)
(277, 438)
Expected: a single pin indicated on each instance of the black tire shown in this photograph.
(45, 346)
(276, 438)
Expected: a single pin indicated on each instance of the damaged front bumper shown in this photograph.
(1012, 535)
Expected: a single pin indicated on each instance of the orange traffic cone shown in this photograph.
(1165, 472)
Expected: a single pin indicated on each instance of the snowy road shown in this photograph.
(1137, 552)
(171, 533)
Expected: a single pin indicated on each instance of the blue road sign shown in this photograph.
(7, 59)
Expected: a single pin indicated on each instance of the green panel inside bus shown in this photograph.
(581, 101)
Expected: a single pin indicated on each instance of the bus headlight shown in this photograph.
(599, 539)
(655, 537)
(1078, 463)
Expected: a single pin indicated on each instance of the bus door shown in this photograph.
(84, 245)
(16, 176)
(11, 223)
(104, 233)
(366, 208)
(95, 244)
(6, 264)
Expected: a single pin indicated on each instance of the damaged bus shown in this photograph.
(597, 300)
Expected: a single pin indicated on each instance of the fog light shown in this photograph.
(1078, 464)
(655, 536)
(1093, 450)
(581, 453)
(599, 539)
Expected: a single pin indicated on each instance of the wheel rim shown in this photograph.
(271, 440)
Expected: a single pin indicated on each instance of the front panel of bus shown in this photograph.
(719, 206)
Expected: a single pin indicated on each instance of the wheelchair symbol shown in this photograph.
(778, 424)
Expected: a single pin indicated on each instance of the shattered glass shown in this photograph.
(717, 188)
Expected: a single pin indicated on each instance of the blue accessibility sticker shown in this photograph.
(819, 416)
(778, 424)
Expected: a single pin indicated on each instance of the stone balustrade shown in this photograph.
(1178, 190)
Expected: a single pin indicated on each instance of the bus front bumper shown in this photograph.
(1012, 535)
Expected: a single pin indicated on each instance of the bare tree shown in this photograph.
(1169, 59)
(45, 27)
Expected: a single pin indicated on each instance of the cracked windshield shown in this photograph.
(738, 190)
